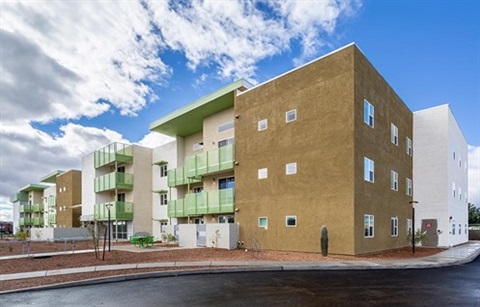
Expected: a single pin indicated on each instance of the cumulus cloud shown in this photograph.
(154, 139)
(474, 175)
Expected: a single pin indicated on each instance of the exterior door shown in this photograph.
(201, 234)
(430, 226)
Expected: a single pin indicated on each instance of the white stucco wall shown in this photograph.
(436, 136)
(88, 189)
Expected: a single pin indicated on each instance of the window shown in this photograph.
(291, 168)
(226, 219)
(291, 116)
(453, 189)
(226, 142)
(453, 229)
(119, 230)
(394, 134)
(163, 170)
(263, 124)
(225, 127)
(368, 113)
(460, 160)
(263, 173)
(368, 225)
(409, 147)
(466, 228)
(394, 226)
(163, 199)
(369, 167)
(409, 187)
(459, 229)
(121, 169)
(460, 193)
(226, 183)
(394, 180)
(121, 197)
(197, 190)
(291, 221)
(263, 222)
(198, 146)
(409, 226)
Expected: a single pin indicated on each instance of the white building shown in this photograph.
(440, 179)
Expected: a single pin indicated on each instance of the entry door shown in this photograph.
(430, 226)
(201, 234)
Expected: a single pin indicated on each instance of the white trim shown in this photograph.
(294, 111)
(260, 123)
(266, 219)
(286, 221)
(262, 173)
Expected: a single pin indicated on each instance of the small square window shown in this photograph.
(291, 221)
(263, 222)
(262, 124)
(291, 116)
(291, 168)
(198, 146)
(263, 173)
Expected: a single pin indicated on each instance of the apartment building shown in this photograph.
(62, 200)
(440, 170)
(28, 207)
(116, 183)
(328, 143)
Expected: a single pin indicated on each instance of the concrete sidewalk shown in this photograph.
(454, 256)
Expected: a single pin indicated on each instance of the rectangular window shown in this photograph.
(198, 146)
(121, 169)
(263, 173)
(369, 225)
(163, 199)
(409, 147)
(369, 168)
(121, 197)
(453, 229)
(291, 221)
(226, 219)
(459, 229)
(225, 127)
(262, 125)
(226, 142)
(226, 183)
(394, 226)
(368, 113)
(291, 116)
(453, 189)
(394, 134)
(460, 193)
(163, 170)
(263, 222)
(119, 230)
(291, 168)
(197, 190)
(409, 226)
(460, 160)
(466, 228)
(409, 187)
(394, 180)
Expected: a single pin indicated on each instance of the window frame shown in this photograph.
(394, 134)
(287, 217)
(262, 173)
(394, 226)
(262, 122)
(294, 111)
(393, 180)
(292, 164)
(368, 226)
(409, 147)
(266, 222)
(368, 113)
(163, 170)
(368, 166)
(225, 126)
(409, 226)
(409, 186)
(163, 199)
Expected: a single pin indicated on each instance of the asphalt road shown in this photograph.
(452, 286)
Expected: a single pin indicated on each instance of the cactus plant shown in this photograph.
(324, 241)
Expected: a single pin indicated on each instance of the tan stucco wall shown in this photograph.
(211, 136)
(188, 144)
(141, 195)
(71, 181)
(377, 198)
(320, 141)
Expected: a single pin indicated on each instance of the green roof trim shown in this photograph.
(189, 119)
(159, 163)
(33, 187)
(160, 191)
(52, 177)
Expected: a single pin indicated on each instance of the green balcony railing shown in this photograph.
(212, 202)
(112, 181)
(51, 201)
(119, 210)
(25, 209)
(37, 221)
(207, 162)
(25, 221)
(20, 196)
(37, 208)
(52, 219)
(115, 152)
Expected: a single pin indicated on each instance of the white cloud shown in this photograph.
(5, 209)
(155, 139)
(474, 175)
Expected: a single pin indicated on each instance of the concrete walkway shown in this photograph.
(454, 256)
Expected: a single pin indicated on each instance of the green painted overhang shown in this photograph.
(33, 187)
(52, 177)
(160, 191)
(160, 163)
(189, 119)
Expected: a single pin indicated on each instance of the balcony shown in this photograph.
(25, 221)
(37, 221)
(37, 208)
(115, 152)
(52, 219)
(212, 202)
(208, 162)
(118, 211)
(25, 209)
(112, 181)
(20, 196)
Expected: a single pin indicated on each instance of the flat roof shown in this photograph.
(33, 187)
(52, 177)
(189, 119)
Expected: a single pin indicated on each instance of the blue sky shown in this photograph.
(70, 88)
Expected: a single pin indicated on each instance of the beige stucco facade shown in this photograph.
(69, 199)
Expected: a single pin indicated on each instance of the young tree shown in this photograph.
(473, 214)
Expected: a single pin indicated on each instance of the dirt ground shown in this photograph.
(9, 248)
